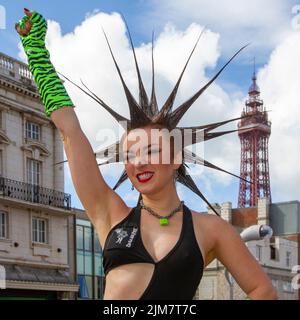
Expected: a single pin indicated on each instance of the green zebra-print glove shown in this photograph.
(51, 89)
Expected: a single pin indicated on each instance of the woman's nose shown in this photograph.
(140, 161)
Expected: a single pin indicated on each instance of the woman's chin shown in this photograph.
(145, 189)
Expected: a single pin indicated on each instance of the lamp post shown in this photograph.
(254, 232)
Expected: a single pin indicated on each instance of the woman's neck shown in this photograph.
(162, 202)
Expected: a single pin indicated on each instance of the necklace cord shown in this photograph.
(155, 214)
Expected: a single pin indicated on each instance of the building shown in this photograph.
(90, 274)
(277, 255)
(37, 243)
(254, 131)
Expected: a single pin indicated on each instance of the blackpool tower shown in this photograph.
(254, 132)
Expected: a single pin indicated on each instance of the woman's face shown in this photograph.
(149, 162)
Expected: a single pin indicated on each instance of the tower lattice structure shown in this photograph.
(254, 132)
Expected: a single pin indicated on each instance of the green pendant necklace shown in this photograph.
(163, 220)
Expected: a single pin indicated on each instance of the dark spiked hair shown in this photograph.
(146, 112)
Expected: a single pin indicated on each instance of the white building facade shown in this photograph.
(37, 238)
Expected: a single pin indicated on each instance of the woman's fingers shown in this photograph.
(28, 25)
(23, 31)
(27, 12)
(19, 30)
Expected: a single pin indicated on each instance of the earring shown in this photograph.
(132, 187)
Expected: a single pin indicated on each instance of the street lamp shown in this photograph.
(254, 232)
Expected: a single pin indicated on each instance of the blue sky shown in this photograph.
(70, 16)
(267, 26)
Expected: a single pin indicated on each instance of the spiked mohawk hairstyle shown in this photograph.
(146, 112)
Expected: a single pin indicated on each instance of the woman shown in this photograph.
(144, 258)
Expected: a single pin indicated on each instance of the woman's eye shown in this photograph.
(129, 157)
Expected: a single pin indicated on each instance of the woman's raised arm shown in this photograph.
(102, 204)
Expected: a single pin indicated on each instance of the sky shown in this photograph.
(78, 50)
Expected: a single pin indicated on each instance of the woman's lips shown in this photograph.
(145, 176)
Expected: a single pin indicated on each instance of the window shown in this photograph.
(84, 249)
(88, 239)
(98, 257)
(3, 225)
(85, 286)
(273, 252)
(33, 171)
(99, 265)
(288, 258)
(39, 230)
(1, 119)
(1, 163)
(99, 287)
(258, 252)
(97, 243)
(80, 262)
(90, 272)
(275, 283)
(79, 237)
(287, 286)
(33, 131)
(88, 263)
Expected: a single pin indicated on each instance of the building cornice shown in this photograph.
(12, 104)
(34, 264)
(18, 203)
(30, 285)
(4, 138)
(19, 87)
(31, 145)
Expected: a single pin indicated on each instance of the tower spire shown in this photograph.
(254, 88)
(254, 132)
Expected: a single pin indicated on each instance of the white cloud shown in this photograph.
(279, 83)
(170, 58)
(263, 23)
(84, 54)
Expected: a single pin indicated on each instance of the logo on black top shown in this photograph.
(132, 236)
(123, 237)
(121, 234)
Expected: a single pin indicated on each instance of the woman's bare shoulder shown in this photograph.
(210, 225)
(206, 219)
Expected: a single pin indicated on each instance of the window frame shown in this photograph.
(1, 163)
(86, 252)
(41, 234)
(288, 255)
(4, 225)
(34, 173)
(258, 252)
(32, 130)
(274, 250)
